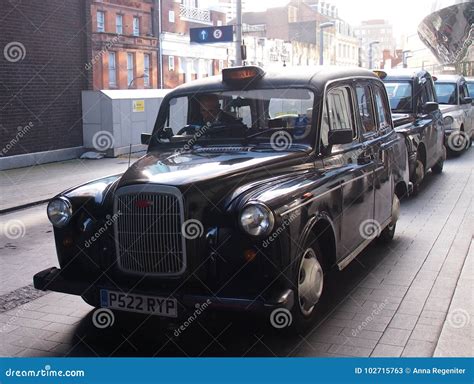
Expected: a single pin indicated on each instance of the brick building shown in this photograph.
(43, 49)
(124, 46)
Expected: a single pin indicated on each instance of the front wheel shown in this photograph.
(310, 279)
(386, 236)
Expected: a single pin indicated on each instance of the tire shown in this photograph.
(438, 167)
(419, 176)
(309, 278)
(386, 236)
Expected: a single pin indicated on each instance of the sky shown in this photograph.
(404, 15)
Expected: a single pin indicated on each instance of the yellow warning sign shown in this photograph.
(138, 105)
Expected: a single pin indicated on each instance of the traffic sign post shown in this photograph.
(209, 35)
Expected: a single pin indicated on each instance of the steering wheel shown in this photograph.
(189, 129)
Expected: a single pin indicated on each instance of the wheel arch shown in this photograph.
(323, 229)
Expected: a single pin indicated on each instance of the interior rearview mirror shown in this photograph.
(340, 136)
(146, 138)
(429, 107)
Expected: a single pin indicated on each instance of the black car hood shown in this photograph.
(184, 168)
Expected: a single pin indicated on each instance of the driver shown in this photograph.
(211, 111)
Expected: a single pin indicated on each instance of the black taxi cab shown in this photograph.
(416, 115)
(253, 186)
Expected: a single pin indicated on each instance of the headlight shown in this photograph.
(59, 211)
(257, 220)
(448, 120)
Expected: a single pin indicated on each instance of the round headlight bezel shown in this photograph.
(66, 212)
(269, 216)
(448, 121)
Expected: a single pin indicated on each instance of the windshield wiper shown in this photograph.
(265, 131)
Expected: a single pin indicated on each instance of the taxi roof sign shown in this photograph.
(380, 74)
(245, 74)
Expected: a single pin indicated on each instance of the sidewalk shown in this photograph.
(27, 186)
(457, 336)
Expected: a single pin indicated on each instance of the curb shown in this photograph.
(23, 206)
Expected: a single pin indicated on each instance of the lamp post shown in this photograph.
(370, 52)
(238, 34)
(322, 26)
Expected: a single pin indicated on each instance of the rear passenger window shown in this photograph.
(382, 111)
(364, 104)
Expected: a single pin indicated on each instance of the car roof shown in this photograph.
(469, 79)
(313, 77)
(405, 74)
(449, 79)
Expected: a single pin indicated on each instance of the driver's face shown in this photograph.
(210, 109)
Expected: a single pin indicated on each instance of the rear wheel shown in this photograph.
(386, 236)
(419, 175)
(438, 167)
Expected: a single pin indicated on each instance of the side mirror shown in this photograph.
(429, 107)
(467, 100)
(340, 136)
(146, 138)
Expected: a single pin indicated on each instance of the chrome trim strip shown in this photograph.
(321, 195)
(158, 190)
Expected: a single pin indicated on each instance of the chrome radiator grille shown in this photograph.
(148, 230)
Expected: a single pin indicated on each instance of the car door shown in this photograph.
(384, 154)
(433, 136)
(466, 108)
(356, 168)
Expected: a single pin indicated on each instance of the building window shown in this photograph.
(136, 26)
(112, 70)
(119, 24)
(171, 63)
(100, 21)
(130, 69)
(146, 70)
(171, 16)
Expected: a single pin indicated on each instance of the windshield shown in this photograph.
(446, 93)
(400, 95)
(250, 116)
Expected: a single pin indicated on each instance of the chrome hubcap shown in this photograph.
(420, 171)
(310, 282)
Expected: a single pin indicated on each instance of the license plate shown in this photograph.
(161, 306)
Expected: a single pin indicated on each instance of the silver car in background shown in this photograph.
(455, 103)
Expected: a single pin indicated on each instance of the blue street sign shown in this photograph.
(210, 35)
